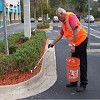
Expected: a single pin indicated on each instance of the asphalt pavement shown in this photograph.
(59, 90)
(52, 80)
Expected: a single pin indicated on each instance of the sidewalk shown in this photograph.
(41, 82)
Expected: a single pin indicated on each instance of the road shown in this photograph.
(59, 90)
(15, 29)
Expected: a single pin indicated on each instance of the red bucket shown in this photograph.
(72, 69)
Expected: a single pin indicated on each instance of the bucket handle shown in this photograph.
(70, 54)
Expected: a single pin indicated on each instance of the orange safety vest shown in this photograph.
(68, 31)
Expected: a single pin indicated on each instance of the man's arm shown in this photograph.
(56, 39)
(74, 26)
(74, 34)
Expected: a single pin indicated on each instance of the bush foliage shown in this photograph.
(24, 57)
(43, 25)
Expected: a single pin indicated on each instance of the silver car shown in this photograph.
(89, 17)
(32, 20)
(55, 19)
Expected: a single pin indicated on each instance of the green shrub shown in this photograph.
(5, 65)
(25, 57)
(23, 39)
(1, 46)
(97, 19)
(12, 39)
(33, 32)
(13, 48)
(47, 21)
(43, 25)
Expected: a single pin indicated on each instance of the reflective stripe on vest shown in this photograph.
(78, 29)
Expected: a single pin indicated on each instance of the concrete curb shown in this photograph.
(41, 82)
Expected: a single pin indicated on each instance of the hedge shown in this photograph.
(25, 57)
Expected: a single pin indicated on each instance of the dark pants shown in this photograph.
(80, 52)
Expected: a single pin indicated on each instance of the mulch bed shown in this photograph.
(15, 77)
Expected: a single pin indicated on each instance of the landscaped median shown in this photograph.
(37, 84)
(24, 55)
(44, 25)
(97, 19)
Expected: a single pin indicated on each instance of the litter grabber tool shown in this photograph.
(40, 60)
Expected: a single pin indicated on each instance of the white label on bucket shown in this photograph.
(73, 74)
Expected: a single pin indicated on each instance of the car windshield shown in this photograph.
(32, 18)
(48, 17)
(89, 16)
(55, 17)
(40, 17)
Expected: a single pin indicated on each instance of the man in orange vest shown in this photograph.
(77, 35)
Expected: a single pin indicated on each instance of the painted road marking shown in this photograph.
(93, 34)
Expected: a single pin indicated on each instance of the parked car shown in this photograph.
(89, 17)
(32, 20)
(79, 17)
(40, 19)
(55, 19)
(49, 19)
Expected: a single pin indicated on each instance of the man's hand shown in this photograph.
(50, 45)
(72, 49)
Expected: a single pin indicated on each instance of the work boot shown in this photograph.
(72, 84)
(81, 89)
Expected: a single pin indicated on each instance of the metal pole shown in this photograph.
(47, 5)
(41, 8)
(5, 27)
(88, 24)
(27, 24)
(34, 9)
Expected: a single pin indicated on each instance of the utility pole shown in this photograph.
(47, 5)
(89, 24)
(5, 27)
(41, 8)
(27, 24)
(34, 9)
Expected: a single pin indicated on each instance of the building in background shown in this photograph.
(13, 12)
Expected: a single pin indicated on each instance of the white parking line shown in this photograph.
(93, 34)
(55, 31)
(59, 26)
(92, 29)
